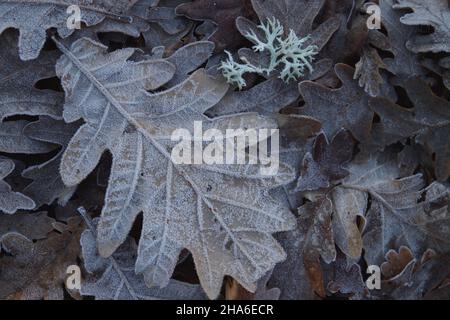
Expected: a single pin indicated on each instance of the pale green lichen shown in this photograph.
(289, 56)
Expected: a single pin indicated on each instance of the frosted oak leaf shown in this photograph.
(221, 213)
(34, 17)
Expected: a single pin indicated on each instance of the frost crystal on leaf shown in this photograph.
(11, 201)
(34, 17)
(114, 277)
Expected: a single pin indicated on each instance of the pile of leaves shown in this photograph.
(86, 177)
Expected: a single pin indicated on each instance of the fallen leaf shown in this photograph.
(435, 13)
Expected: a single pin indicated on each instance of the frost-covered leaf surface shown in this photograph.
(368, 71)
(37, 270)
(11, 201)
(34, 226)
(33, 18)
(398, 215)
(47, 185)
(409, 278)
(225, 235)
(346, 279)
(405, 62)
(326, 163)
(311, 241)
(223, 14)
(18, 79)
(188, 59)
(428, 122)
(13, 139)
(346, 107)
(298, 16)
(435, 13)
(266, 98)
(114, 277)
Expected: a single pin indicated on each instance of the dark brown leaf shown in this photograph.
(346, 107)
(325, 164)
(224, 14)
